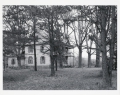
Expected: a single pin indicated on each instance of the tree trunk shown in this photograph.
(52, 58)
(73, 57)
(51, 45)
(116, 65)
(80, 57)
(89, 60)
(80, 45)
(106, 78)
(4, 65)
(61, 62)
(19, 60)
(97, 57)
(105, 67)
(97, 49)
(4, 62)
(56, 63)
(112, 44)
(35, 47)
(52, 66)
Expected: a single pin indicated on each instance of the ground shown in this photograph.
(65, 79)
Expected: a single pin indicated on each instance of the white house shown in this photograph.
(13, 62)
(43, 59)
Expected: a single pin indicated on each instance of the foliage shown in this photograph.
(15, 29)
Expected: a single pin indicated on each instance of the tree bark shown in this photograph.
(51, 45)
(56, 63)
(105, 66)
(112, 45)
(80, 57)
(4, 66)
(80, 45)
(97, 49)
(19, 61)
(19, 57)
(97, 57)
(52, 66)
(89, 60)
(35, 47)
(61, 62)
(4, 62)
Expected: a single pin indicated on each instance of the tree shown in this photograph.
(107, 43)
(97, 48)
(51, 19)
(106, 27)
(89, 43)
(14, 21)
(112, 43)
(83, 26)
(107, 65)
(34, 12)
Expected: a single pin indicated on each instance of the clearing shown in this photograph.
(65, 79)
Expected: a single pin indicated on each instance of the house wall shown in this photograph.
(38, 55)
(22, 62)
(70, 61)
(70, 58)
(10, 62)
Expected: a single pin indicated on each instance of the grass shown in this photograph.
(65, 79)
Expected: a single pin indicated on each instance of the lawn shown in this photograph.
(65, 79)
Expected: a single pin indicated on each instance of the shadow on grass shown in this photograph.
(92, 75)
(99, 75)
(14, 78)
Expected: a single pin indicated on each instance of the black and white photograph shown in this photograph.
(59, 47)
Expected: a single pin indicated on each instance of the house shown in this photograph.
(13, 62)
(42, 58)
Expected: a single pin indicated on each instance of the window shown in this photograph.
(30, 49)
(13, 61)
(42, 48)
(42, 60)
(30, 60)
